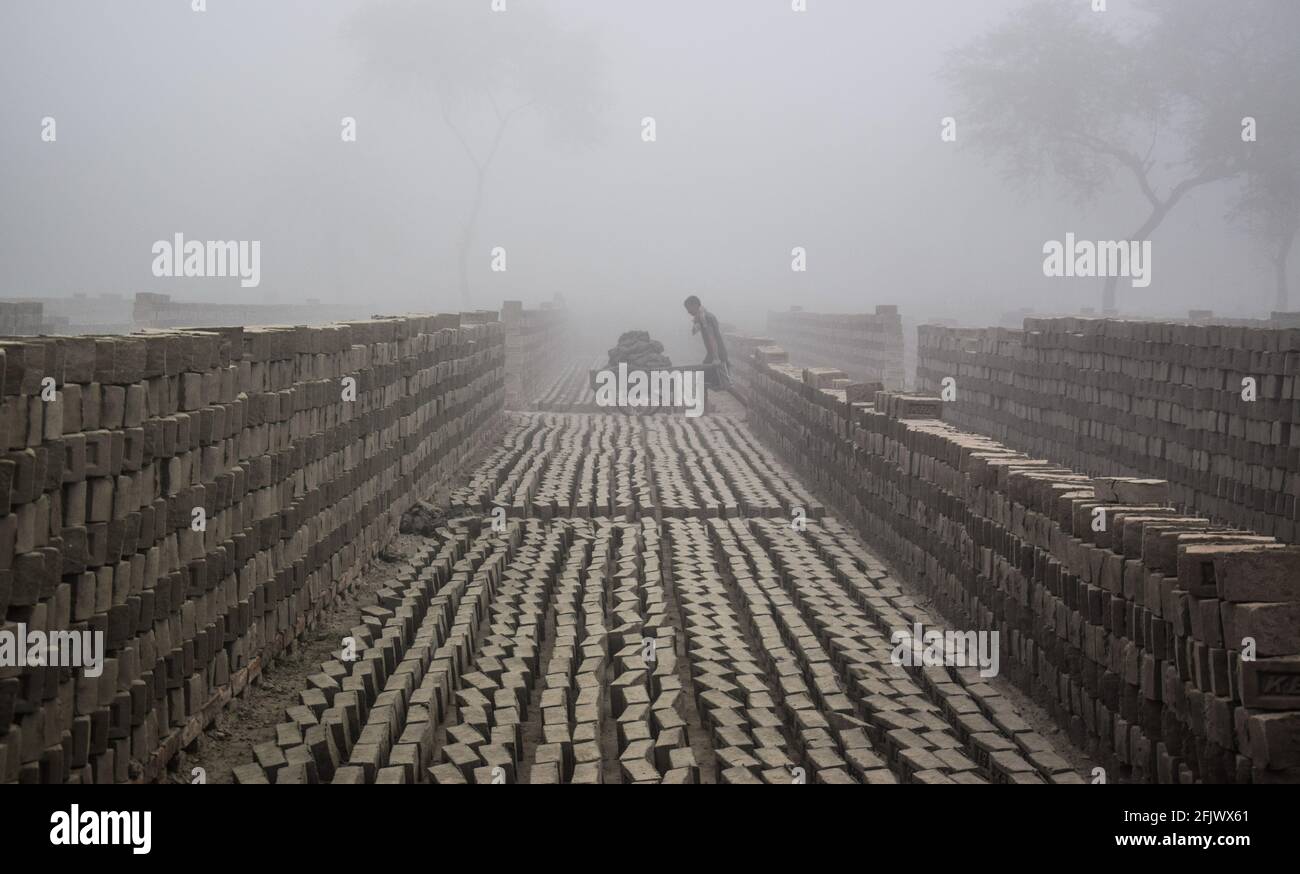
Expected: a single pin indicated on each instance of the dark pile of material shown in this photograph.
(423, 518)
(639, 351)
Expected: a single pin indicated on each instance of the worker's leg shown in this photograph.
(724, 376)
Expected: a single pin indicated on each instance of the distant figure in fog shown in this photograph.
(706, 324)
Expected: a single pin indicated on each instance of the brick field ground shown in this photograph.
(644, 610)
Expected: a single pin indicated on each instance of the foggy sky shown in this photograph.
(775, 130)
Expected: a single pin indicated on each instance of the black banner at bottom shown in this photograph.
(193, 822)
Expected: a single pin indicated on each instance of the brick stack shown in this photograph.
(101, 482)
(866, 346)
(21, 318)
(538, 344)
(1128, 620)
(571, 390)
(1116, 398)
(152, 310)
(743, 348)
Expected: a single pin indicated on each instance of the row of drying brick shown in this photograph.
(399, 676)
(563, 465)
(571, 391)
(454, 710)
(575, 697)
(194, 499)
(385, 665)
(923, 724)
(484, 738)
(713, 466)
(1118, 398)
(538, 342)
(779, 713)
(867, 346)
(1123, 616)
(552, 465)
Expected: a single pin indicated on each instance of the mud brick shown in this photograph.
(32, 575)
(638, 770)
(24, 367)
(738, 776)
(98, 453)
(78, 746)
(1275, 627)
(100, 728)
(587, 774)
(300, 763)
(463, 758)
(1259, 575)
(250, 773)
(680, 777)
(1275, 741)
(370, 757)
(446, 774)
(350, 775)
(119, 627)
(8, 471)
(9, 692)
(394, 775)
(1271, 683)
(23, 477)
(545, 774)
(288, 734)
(323, 751)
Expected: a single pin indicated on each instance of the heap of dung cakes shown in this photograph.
(638, 351)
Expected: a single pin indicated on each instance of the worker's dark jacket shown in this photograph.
(707, 324)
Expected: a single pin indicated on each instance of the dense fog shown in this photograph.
(394, 152)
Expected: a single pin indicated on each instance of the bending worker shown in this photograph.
(706, 323)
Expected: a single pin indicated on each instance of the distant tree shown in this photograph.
(480, 70)
(1269, 206)
(1057, 92)
(1247, 54)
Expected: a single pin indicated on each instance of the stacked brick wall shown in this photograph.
(199, 498)
(78, 313)
(538, 345)
(1153, 399)
(160, 311)
(866, 346)
(21, 318)
(1125, 618)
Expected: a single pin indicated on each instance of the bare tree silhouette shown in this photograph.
(1058, 93)
(479, 71)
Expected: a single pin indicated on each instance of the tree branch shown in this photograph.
(1125, 158)
(460, 138)
(501, 130)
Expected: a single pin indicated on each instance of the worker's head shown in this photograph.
(692, 304)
